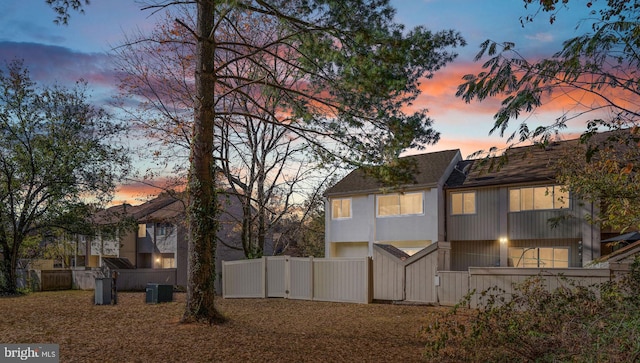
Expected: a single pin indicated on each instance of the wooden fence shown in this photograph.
(339, 280)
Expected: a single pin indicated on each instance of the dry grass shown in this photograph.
(258, 330)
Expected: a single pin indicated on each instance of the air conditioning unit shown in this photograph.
(157, 293)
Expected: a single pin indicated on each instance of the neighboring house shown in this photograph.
(503, 217)
(110, 240)
(156, 236)
(361, 212)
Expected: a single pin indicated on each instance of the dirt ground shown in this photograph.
(258, 330)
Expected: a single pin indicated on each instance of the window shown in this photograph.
(538, 198)
(341, 208)
(463, 203)
(550, 257)
(399, 204)
(142, 230)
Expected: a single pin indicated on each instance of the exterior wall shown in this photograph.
(465, 254)
(168, 242)
(476, 237)
(349, 249)
(412, 227)
(357, 228)
(145, 244)
(128, 246)
(346, 237)
(483, 225)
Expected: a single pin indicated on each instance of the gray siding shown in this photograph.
(535, 224)
(484, 225)
(465, 254)
(493, 220)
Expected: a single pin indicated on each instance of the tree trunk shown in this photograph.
(10, 276)
(203, 207)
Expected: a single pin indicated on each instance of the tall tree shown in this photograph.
(261, 163)
(357, 70)
(55, 153)
(358, 67)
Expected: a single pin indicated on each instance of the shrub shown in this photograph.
(599, 323)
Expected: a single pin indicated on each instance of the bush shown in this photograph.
(599, 323)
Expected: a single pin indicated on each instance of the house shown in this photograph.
(516, 215)
(153, 235)
(362, 212)
(510, 215)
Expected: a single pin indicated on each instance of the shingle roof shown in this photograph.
(521, 164)
(431, 168)
(524, 164)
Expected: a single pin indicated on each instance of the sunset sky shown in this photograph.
(64, 54)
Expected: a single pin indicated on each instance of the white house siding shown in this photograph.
(349, 249)
(357, 228)
(411, 227)
(355, 236)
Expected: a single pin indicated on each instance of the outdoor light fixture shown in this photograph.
(503, 240)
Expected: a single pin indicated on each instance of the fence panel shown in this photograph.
(276, 279)
(301, 278)
(244, 279)
(137, 279)
(452, 287)
(340, 280)
(56, 280)
(482, 279)
(343, 280)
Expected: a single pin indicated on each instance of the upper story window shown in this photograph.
(399, 204)
(536, 198)
(463, 203)
(341, 208)
(142, 230)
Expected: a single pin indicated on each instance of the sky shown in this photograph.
(64, 54)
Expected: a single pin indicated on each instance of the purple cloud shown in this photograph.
(53, 64)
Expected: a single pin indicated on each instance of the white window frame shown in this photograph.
(462, 207)
(556, 204)
(342, 200)
(398, 197)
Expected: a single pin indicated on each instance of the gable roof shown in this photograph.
(431, 168)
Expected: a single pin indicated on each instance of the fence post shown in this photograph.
(369, 274)
(311, 285)
(264, 278)
(287, 276)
